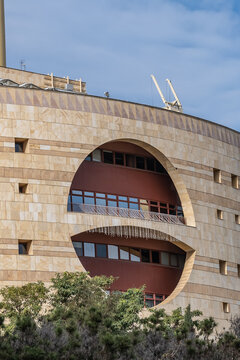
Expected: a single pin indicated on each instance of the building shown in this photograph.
(112, 187)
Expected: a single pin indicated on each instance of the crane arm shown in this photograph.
(159, 90)
(174, 93)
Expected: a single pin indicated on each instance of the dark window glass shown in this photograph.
(130, 160)
(181, 259)
(150, 164)
(19, 147)
(78, 246)
(173, 259)
(101, 250)
(140, 162)
(119, 158)
(149, 296)
(134, 254)
(145, 255)
(149, 303)
(155, 257)
(172, 211)
(179, 211)
(154, 208)
(22, 249)
(160, 168)
(163, 210)
(108, 157)
(69, 203)
(89, 157)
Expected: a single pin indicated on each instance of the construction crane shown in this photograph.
(169, 105)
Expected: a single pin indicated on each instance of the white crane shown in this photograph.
(170, 105)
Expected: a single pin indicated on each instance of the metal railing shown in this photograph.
(126, 213)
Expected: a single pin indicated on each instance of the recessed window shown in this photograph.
(101, 250)
(150, 164)
(24, 247)
(223, 267)
(235, 183)
(89, 250)
(113, 252)
(140, 162)
(173, 260)
(237, 219)
(119, 158)
(145, 255)
(124, 254)
(22, 188)
(135, 255)
(217, 176)
(238, 270)
(130, 160)
(108, 157)
(164, 258)
(78, 246)
(226, 307)
(21, 145)
(155, 257)
(219, 214)
(96, 155)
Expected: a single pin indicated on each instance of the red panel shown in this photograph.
(113, 179)
(158, 279)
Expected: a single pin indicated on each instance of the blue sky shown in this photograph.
(114, 45)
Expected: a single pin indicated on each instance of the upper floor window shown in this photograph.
(21, 145)
(124, 159)
(217, 175)
(235, 182)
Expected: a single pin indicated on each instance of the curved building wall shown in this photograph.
(61, 130)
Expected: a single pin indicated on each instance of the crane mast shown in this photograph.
(169, 105)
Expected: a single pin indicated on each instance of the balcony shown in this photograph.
(126, 213)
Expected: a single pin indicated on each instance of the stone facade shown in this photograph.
(61, 129)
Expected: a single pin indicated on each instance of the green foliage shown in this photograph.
(75, 319)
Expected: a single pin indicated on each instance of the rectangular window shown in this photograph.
(135, 254)
(219, 214)
(155, 257)
(237, 219)
(159, 299)
(217, 176)
(21, 145)
(140, 162)
(160, 168)
(226, 307)
(181, 260)
(96, 155)
(145, 255)
(89, 249)
(149, 300)
(238, 270)
(78, 246)
(130, 160)
(173, 260)
(24, 247)
(113, 252)
(119, 158)
(150, 164)
(108, 157)
(223, 267)
(124, 253)
(101, 202)
(101, 250)
(164, 258)
(235, 183)
(22, 188)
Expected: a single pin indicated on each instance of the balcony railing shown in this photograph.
(126, 213)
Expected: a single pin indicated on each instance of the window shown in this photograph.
(237, 219)
(149, 300)
(150, 164)
(89, 250)
(108, 157)
(135, 254)
(22, 188)
(145, 255)
(21, 145)
(124, 254)
(140, 162)
(164, 258)
(155, 257)
(219, 214)
(113, 252)
(226, 307)
(238, 270)
(24, 247)
(130, 160)
(96, 155)
(173, 260)
(217, 176)
(78, 246)
(235, 183)
(119, 158)
(223, 267)
(101, 250)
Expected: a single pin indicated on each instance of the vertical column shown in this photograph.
(2, 35)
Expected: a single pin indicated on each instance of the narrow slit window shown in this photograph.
(21, 145)
(217, 176)
(219, 214)
(237, 219)
(235, 183)
(223, 267)
(22, 188)
(226, 307)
